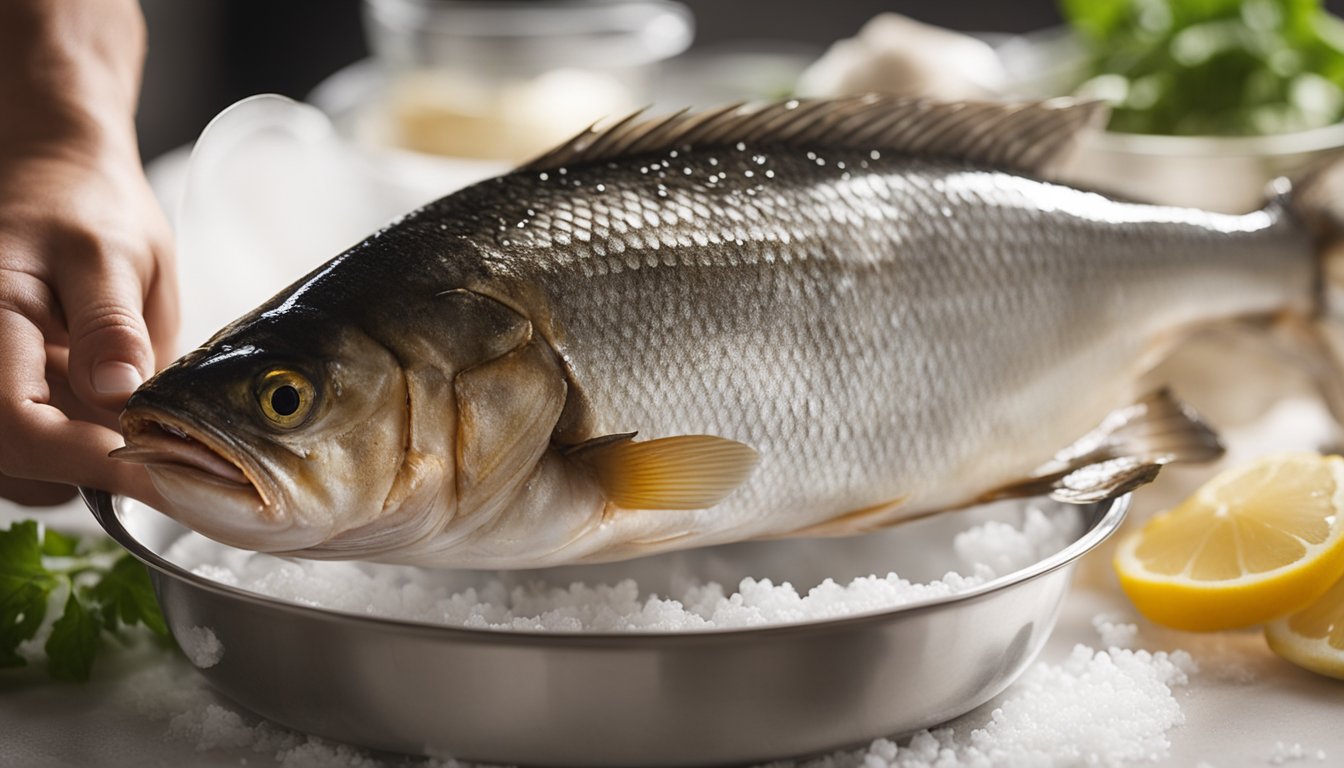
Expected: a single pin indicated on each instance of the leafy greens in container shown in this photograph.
(1212, 67)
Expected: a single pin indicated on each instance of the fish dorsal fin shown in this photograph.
(1027, 137)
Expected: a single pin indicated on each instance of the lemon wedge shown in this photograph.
(1256, 542)
(1313, 638)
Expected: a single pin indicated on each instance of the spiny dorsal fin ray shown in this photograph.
(1028, 137)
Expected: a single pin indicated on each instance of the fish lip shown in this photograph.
(199, 451)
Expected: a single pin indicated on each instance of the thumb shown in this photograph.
(110, 350)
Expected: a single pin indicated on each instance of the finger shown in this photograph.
(102, 295)
(41, 443)
(62, 397)
(35, 493)
(44, 445)
(163, 315)
(25, 295)
(29, 296)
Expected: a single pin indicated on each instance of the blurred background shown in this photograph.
(207, 54)
(412, 99)
(1211, 98)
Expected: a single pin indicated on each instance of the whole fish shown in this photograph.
(815, 318)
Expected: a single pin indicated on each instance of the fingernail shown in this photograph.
(113, 378)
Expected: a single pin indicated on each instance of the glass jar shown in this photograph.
(507, 80)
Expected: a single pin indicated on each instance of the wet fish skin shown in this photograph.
(884, 328)
(890, 332)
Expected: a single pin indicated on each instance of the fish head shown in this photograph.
(272, 439)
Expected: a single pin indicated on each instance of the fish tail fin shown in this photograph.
(1317, 199)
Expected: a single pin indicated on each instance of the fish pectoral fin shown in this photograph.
(1104, 480)
(1124, 452)
(682, 472)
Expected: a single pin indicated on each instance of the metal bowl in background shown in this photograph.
(1216, 173)
(649, 699)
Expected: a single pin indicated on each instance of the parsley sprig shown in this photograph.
(106, 593)
(1199, 67)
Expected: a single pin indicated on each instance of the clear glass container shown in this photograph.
(507, 80)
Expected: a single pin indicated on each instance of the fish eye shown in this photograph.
(285, 397)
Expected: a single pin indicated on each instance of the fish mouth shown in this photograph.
(210, 485)
(158, 439)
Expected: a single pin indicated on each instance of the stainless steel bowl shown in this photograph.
(694, 698)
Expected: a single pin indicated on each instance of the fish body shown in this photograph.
(891, 332)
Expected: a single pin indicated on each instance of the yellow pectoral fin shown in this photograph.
(684, 472)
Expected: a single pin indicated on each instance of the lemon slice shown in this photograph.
(1254, 543)
(1313, 638)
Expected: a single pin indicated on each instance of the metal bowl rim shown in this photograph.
(1317, 140)
(104, 509)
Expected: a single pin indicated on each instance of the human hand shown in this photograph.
(88, 309)
(88, 291)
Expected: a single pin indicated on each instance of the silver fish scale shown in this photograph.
(878, 328)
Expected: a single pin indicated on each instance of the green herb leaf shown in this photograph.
(55, 544)
(102, 597)
(24, 587)
(74, 641)
(1097, 19)
(125, 594)
(1201, 67)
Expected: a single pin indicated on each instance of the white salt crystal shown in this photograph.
(201, 647)
(323, 754)
(1103, 708)
(213, 727)
(1005, 548)
(1114, 631)
(1293, 753)
(988, 550)
(1231, 658)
